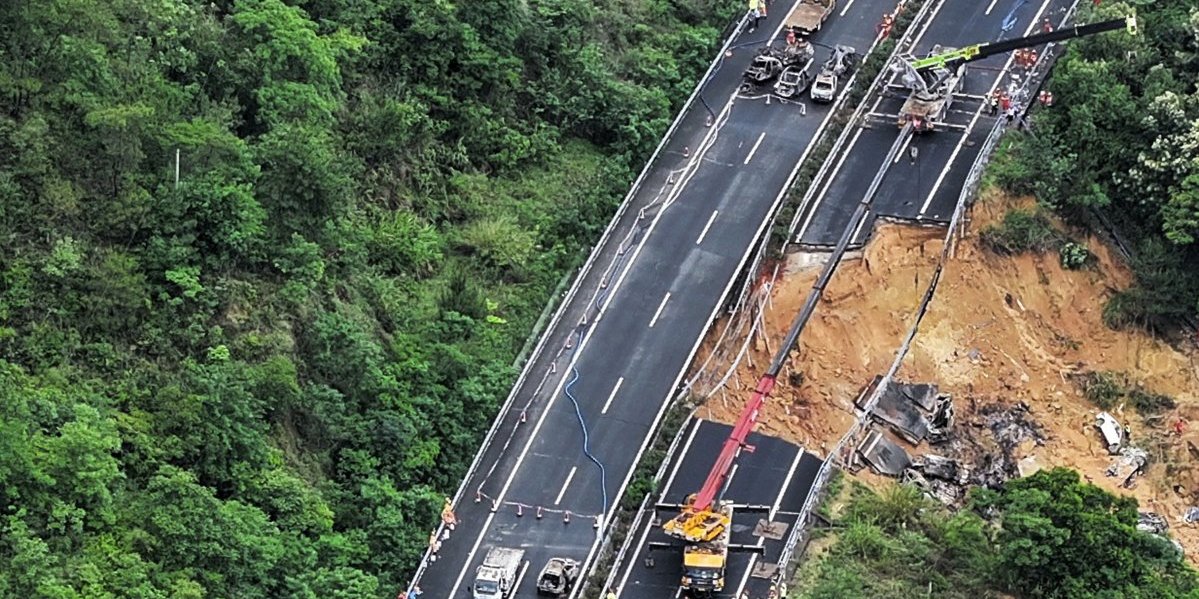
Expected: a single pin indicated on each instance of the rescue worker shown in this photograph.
(993, 103)
(884, 27)
(757, 10)
(447, 514)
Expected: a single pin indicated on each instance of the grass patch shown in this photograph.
(1108, 389)
(1021, 231)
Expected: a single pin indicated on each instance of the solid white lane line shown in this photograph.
(695, 348)
(566, 484)
(704, 143)
(828, 180)
(991, 6)
(978, 113)
(675, 470)
(754, 149)
(903, 150)
(659, 312)
(846, 9)
(612, 395)
(516, 586)
(665, 497)
(707, 226)
(774, 508)
(928, 25)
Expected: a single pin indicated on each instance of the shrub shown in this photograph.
(1074, 255)
(1102, 388)
(1021, 231)
(1107, 388)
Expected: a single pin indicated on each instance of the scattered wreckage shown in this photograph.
(918, 413)
(787, 67)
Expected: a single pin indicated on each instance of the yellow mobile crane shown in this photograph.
(935, 78)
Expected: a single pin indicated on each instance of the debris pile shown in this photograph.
(915, 413)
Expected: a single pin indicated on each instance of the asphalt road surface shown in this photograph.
(926, 178)
(707, 200)
(773, 481)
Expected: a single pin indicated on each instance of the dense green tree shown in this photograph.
(1120, 142)
(265, 266)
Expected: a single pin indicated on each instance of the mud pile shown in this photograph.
(1003, 333)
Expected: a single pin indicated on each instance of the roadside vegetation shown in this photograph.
(1117, 151)
(261, 379)
(1048, 535)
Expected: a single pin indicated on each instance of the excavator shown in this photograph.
(935, 78)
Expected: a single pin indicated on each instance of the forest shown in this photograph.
(1116, 152)
(266, 266)
(1049, 535)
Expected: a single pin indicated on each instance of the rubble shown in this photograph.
(884, 455)
(942, 478)
(1152, 522)
(914, 411)
(1191, 515)
(1129, 465)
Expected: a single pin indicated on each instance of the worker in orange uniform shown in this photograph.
(884, 27)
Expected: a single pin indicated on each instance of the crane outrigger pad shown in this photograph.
(774, 531)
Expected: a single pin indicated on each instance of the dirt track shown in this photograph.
(1000, 329)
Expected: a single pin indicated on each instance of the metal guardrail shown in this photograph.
(584, 270)
(965, 199)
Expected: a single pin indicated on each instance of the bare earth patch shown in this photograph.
(1000, 330)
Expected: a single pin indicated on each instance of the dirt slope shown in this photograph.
(1000, 330)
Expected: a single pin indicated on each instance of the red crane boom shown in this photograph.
(732, 446)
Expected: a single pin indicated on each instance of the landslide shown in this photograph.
(1000, 330)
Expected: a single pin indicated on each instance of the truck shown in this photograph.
(843, 60)
(704, 562)
(496, 578)
(929, 103)
(558, 576)
(807, 17)
(935, 78)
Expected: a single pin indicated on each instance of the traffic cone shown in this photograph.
(686, 151)
(566, 517)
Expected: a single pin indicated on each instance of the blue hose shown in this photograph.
(586, 439)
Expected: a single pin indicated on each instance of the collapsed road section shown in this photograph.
(951, 105)
(564, 447)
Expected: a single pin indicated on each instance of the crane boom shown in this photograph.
(981, 51)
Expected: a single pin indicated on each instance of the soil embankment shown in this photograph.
(1000, 331)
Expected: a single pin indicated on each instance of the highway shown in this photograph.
(624, 336)
(773, 480)
(923, 188)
